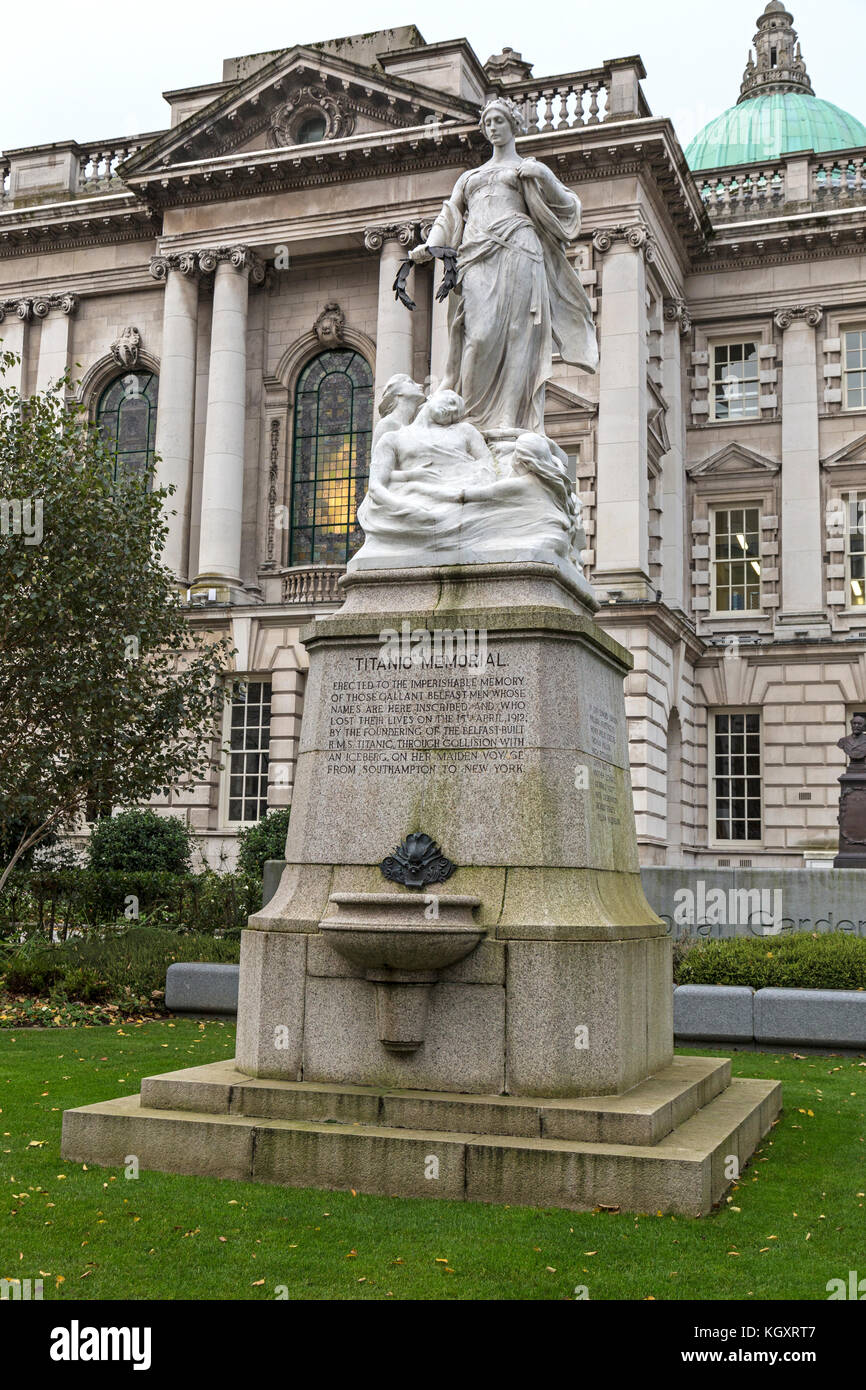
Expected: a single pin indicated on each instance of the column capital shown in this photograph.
(676, 311)
(67, 303)
(810, 313)
(184, 262)
(240, 258)
(402, 232)
(636, 235)
(21, 308)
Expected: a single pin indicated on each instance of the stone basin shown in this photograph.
(396, 932)
(401, 942)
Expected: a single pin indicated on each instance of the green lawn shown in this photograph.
(796, 1220)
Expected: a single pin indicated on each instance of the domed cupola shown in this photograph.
(777, 111)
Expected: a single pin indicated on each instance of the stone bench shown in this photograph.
(197, 987)
(785, 1017)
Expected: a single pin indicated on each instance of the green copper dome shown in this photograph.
(774, 123)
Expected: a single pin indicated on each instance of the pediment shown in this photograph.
(852, 453)
(658, 442)
(265, 109)
(732, 459)
(561, 400)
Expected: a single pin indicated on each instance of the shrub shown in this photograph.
(262, 841)
(140, 840)
(803, 960)
(128, 968)
(54, 903)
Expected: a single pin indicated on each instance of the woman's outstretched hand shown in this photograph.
(420, 254)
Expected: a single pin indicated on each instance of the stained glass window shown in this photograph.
(333, 428)
(126, 419)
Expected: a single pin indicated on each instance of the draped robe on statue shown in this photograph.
(518, 297)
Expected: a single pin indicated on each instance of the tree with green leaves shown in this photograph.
(106, 696)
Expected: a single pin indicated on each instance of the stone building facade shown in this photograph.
(221, 292)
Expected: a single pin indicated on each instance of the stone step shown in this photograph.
(643, 1115)
(683, 1174)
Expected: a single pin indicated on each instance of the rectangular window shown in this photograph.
(735, 559)
(854, 368)
(249, 716)
(856, 551)
(734, 389)
(736, 776)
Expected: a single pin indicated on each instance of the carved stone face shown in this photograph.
(497, 128)
(445, 408)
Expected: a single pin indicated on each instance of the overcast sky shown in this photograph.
(97, 70)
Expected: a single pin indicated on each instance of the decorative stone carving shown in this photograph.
(330, 325)
(812, 313)
(637, 236)
(43, 304)
(126, 347)
(273, 469)
(676, 311)
(439, 495)
(375, 237)
(307, 103)
(186, 262)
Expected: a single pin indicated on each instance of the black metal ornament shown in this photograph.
(417, 862)
(448, 255)
(399, 285)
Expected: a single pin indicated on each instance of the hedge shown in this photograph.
(53, 902)
(126, 968)
(803, 960)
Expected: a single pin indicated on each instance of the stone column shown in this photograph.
(223, 475)
(394, 346)
(802, 520)
(677, 324)
(55, 311)
(622, 490)
(14, 316)
(176, 413)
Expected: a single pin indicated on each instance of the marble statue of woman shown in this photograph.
(517, 296)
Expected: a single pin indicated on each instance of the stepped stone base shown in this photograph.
(665, 1145)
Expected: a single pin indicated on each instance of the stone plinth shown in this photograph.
(493, 720)
(852, 820)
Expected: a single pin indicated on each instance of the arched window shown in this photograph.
(331, 462)
(126, 419)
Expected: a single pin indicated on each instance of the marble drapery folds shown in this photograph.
(518, 297)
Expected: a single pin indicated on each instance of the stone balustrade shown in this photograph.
(796, 181)
(755, 191)
(575, 99)
(97, 164)
(313, 584)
